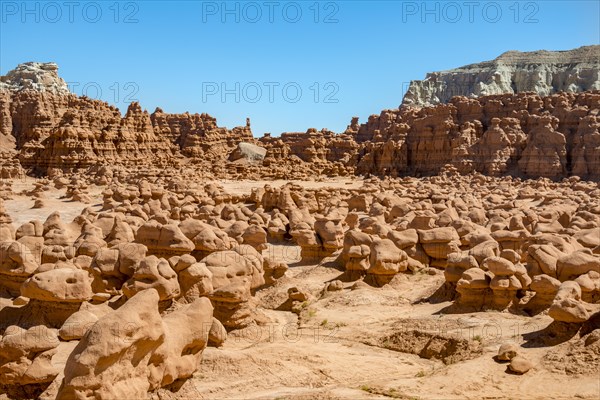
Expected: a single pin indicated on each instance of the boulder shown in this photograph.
(248, 151)
(64, 285)
(112, 359)
(567, 305)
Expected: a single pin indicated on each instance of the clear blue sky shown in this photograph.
(362, 54)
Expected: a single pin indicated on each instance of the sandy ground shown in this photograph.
(245, 187)
(330, 352)
(19, 207)
(336, 348)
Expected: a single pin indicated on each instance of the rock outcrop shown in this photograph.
(551, 135)
(41, 77)
(510, 134)
(542, 72)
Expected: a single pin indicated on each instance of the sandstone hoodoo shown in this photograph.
(160, 256)
(48, 131)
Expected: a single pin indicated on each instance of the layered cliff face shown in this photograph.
(67, 132)
(197, 135)
(47, 128)
(541, 72)
(310, 153)
(314, 146)
(9, 164)
(516, 134)
(521, 134)
(524, 135)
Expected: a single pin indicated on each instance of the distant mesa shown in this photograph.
(542, 72)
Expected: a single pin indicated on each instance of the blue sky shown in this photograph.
(286, 65)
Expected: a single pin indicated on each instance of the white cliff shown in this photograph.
(543, 72)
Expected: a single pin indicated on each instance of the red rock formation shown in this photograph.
(522, 135)
(68, 132)
(198, 135)
(321, 152)
(516, 134)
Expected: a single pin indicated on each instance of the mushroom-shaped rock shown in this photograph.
(505, 290)
(77, 325)
(577, 263)
(206, 238)
(307, 239)
(485, 249)
(499, 266)
(230, 268)
(56, 231)
(567, 305)
(544, 258)
(256, 237)
(274, 270)
(195, 281)
(545, 288)
(105, 272)
(180, 263)
(590, 286)
(130, 255)
(64, 285)
(186, 336)
(90, 241)
(356, 250)
(330, 231)
(255, 259)
(121, 232)
(474, 287)
(439, 242)
(236, 230)
(438, 235)
(386, 260)
(545, 285)
(217, 334)
(25, 357)
(458, 263)
(234, 275)
(277, 229)
(156, 273)
(17, 263)
(523, 276)
(405, 238)
(165, 239)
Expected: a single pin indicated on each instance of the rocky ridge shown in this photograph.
(542, 72)
(524, 134)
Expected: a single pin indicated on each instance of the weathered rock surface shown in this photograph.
(502, 133)
(506, 134)
(165, 261)
(542, 72)
(249, 152)
(42, 77)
